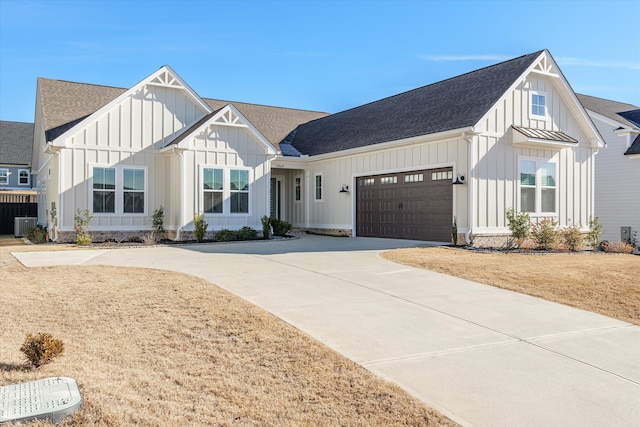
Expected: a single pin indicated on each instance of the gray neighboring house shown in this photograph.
(16, 144)
(617, 193)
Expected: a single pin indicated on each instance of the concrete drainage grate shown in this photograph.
(49, 399)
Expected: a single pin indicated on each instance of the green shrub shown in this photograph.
(158, 222)
(266, 226)
(81, 226)
(280, 227)
(200, 227)
(618, 247)
(225, 235)
(573, 238)
(41, 348)
(37, 234)
(544, 233)
(454, 232)
(247, 233)
(135, 239)
(595, 230)
(519, 224)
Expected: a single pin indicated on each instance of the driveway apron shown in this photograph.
(483, 356)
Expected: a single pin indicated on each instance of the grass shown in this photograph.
(152, 348)
(608, 284)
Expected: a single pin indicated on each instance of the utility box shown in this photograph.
(625, 234)
(22, 224)
(49, 399)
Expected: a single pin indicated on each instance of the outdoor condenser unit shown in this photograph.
(22, 224)
(625, 234)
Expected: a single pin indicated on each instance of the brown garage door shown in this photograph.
(409, 205)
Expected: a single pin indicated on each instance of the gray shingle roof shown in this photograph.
(16, 143)
(454, 103)
(634, 148)
(65, 104)
(618, 111)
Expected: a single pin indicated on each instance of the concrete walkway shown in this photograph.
(481, 355)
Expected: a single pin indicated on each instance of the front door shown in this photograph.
(277, 202)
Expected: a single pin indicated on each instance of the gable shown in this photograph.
(456, 103)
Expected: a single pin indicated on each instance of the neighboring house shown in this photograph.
(16, 143)
(617, 167)
(513, 135)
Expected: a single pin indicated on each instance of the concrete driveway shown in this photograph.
(481, 355)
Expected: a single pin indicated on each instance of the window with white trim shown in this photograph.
(538, 185)
(538, 104)
(4, 176)
(24, 177)
(239, 191)
(133, 190)
(104, 190)
(213, 190)
(298, 188)
(317, 178)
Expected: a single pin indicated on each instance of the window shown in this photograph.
(416, 177)
(104, 190)
(537, 186)
(318, 187)
(133, 190)
(239, 191)
(367, 181)
(213, 190)
(23, 177)
(4, 176)
(389, 180)
(298, 189)
(538, 105)
(442, 175)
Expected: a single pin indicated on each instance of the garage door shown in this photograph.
(409, 205)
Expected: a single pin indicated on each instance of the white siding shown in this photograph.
(617, 201)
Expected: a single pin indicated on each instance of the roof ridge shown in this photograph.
(264, 105)
(635, 107)
(442, 81)
(14, 121)
(83, 83)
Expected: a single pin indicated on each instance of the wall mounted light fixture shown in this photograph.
(345, 188)
(459, 180)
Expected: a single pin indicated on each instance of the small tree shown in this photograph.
(158, 221)
(266, 226)
(573, 237)
(82, 219)
(595, 230)
(200, 226)
(454, 232)
(519, 224)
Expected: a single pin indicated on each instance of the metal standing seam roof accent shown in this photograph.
(16, 143)
(547, 135)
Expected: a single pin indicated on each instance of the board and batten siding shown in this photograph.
(131, 133)
(337, 210)
(617, 202)
(495, 176)
(227, 147)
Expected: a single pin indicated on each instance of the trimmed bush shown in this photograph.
(573, 238)
(225, 235)
(280, 227)
(595, 230)
(266, 227)
(618, 247)
(247, 233)
(41, 348)
(200, 227)
(544, 233)
(519, 224)
(81, 219)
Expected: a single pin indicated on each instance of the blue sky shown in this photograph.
(316, 55)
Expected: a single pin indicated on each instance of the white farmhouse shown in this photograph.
(511, 135)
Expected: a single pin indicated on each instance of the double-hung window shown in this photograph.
(23, 177)
(213, 190)
(538, 186)
(4, 176)
(239, 191)
(104, 190)
(118, 190)
(133, 190)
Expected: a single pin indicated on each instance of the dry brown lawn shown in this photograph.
(154, 348)
(608, 284)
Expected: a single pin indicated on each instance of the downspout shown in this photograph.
(182, 193)
(270, 158)
(470, 192)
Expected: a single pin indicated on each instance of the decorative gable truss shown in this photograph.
(227, 116)
(546, 66)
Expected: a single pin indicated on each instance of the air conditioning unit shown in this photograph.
(22, 224)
